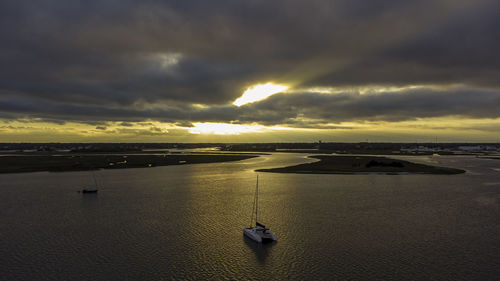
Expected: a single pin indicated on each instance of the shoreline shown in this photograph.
(363, 165)
(71, 163)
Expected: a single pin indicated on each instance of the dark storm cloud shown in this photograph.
(97, 61)
(403, 105)
(301, 110)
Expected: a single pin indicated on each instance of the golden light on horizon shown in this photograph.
(421, 129)
(223, 128)
(259, 92)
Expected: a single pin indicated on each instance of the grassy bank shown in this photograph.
(63, 163)
(362, 164)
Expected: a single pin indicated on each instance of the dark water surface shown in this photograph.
(185, 222)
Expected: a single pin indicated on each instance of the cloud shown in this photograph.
(126, 124)
(132, 61)
(299, 109)
(402, 105)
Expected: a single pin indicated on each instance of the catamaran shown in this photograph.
(258, 232)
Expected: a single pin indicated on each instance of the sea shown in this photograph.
(186, 222)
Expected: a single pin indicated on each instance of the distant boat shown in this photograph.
(90, 190)
(258, 232)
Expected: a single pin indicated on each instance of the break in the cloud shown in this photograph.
(351, 67)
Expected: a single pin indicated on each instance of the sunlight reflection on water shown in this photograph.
(185, 222)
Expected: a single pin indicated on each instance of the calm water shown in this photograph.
(185, 222)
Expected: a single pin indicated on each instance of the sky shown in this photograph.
(250, 71)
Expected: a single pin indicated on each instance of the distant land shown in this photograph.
(58, 157)
(64, 163)
(317, 147)
(362, 165)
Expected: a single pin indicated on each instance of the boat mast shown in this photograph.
(255, 203)
(256, 199)
(95, 181)
(253, 206)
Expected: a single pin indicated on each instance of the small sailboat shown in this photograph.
(90, 190)
(258, 232)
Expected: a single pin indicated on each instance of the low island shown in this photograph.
(362, 165)
(68, 162)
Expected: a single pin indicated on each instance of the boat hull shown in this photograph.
(259, 235)
(252, 235)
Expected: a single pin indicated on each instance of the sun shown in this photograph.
(259, 92)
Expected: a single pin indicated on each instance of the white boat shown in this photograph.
(258, 232)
